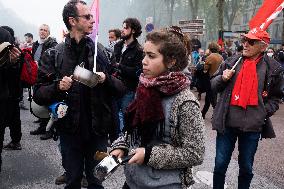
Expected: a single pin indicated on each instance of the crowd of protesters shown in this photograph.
(142, 104)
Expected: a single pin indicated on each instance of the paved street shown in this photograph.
(38, 164)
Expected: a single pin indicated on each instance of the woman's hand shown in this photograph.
(138, 157)
(117, 153)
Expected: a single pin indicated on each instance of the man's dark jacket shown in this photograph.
(130, 63)
(273, 84)
(49, 43)
(100, 97)
(10, 74)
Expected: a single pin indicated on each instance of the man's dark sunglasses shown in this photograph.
(86, 16)
(251, 42)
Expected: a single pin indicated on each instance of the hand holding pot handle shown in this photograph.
(117, 153)
(65, 83)
(102, 76)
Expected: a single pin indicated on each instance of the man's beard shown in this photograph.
(126, 37)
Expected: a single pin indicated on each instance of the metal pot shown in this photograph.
(108, 165)
(85, 76)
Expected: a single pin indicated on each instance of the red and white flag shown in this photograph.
(266, 14)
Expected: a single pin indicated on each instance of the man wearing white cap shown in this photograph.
(249, 94)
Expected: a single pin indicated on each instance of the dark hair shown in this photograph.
(196, 44)
(29, 35)
(171, 47)
(116, 32)
(214, 47)
(271, 49)
(70, 10)
(10, 30)
(134, 24)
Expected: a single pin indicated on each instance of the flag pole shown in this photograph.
(95, 55)
(94, 35)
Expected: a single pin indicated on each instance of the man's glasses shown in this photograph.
(251, 42)
(86, 16)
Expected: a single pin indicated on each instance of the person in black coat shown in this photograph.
(13, 120)
(6, 65)
(128, 56)
(84, 129)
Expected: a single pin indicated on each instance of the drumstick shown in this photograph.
(236, 64)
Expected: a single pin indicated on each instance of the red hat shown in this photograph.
(258, 35)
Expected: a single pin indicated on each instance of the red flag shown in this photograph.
(266, 13)
(220, 42)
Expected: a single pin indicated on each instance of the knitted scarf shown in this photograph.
(246, 86)
(147, 106)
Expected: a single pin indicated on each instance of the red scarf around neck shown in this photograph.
(246, 86)
(147, 106)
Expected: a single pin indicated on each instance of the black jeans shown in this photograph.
(78, 156)
(210, 98)
(3, 113)
(2, 132)
(13, 120)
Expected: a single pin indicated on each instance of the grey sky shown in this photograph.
(38, 12)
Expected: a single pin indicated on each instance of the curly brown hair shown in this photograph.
(171, 47)
(135, 25)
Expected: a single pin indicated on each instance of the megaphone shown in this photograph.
(39, 111)
(57, 111)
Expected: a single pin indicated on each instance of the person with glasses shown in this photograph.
(84, 129)
(249, 93)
